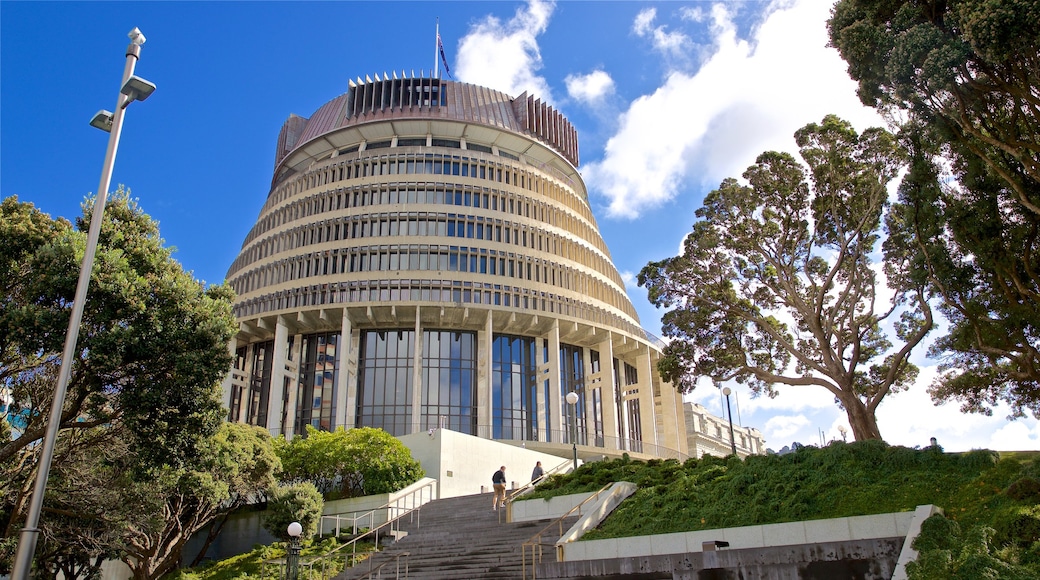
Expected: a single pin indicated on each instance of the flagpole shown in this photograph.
(436, 50)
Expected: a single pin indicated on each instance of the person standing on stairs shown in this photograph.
(538, 472)
(498, 480)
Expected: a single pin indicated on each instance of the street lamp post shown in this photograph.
(292, 560)
(572, 400)
(132, 89)
(732, 442)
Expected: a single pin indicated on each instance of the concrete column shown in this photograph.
(274, 399)
(555, 402)
(485, 343)
(647, 412)
(673, 419)
(607, 390)
(417, 385)
(346, 385)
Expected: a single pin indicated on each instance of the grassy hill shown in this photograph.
(991, 501)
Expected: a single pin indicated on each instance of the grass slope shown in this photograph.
(991, 501)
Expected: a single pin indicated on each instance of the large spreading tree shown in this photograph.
(962, 79)
(151, 353)
(780, 280)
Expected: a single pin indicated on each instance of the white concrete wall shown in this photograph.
(463, 464)
(832, 530)
(525, 510)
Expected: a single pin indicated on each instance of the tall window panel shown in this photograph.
(572, 379)
(260, 383)
(513, 382)
(597, 401)
(385, 380)
(449, 394)
(237, 391)
(319, 375)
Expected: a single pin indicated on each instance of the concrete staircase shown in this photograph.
(460, 538)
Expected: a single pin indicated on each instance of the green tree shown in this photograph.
(82, 508)
(152, 347)
(164, 507)
(963, 79)
(151, 353)
(354, 462)
(296, 502)
(777, 282)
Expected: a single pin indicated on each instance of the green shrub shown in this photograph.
(300, 502)
(1025, 489)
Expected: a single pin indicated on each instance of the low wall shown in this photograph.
(890, 525)
(526, 510)
(873, 559)
(868, 547)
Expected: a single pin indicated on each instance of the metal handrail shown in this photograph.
(390, 505)
(378, 570)
(392, 522)
(535, 541)
(529, 486)
(353, 542)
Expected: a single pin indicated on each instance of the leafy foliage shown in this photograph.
(250, 565)
(348, 463)
(153, 341)
(143, 399)
(166, 506)
(777, 281)
(298, 502)
(962, 77)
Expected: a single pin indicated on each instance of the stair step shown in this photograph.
(459, 539)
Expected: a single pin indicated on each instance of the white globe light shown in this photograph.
(572, 398)
(726, 391)
(295, 529)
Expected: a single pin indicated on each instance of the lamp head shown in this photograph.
(726, 391)
(295, 529)
(572, 398)
(137, 88)
(102, 120)
(136, 36)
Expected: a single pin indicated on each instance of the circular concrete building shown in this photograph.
(427, 258)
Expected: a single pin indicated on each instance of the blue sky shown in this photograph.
(668, 98)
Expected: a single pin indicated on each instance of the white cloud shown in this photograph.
(671, 44)
(693, 14)
(629, 279)
(910, 418)
(591, 88)
(782, 427)
(747, 97)
(644, 21)
(505, 55)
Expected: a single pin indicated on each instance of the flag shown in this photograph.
(444, 59)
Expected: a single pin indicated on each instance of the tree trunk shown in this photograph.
(863, 422)
(214, 531)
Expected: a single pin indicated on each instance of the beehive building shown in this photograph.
(427, 258)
